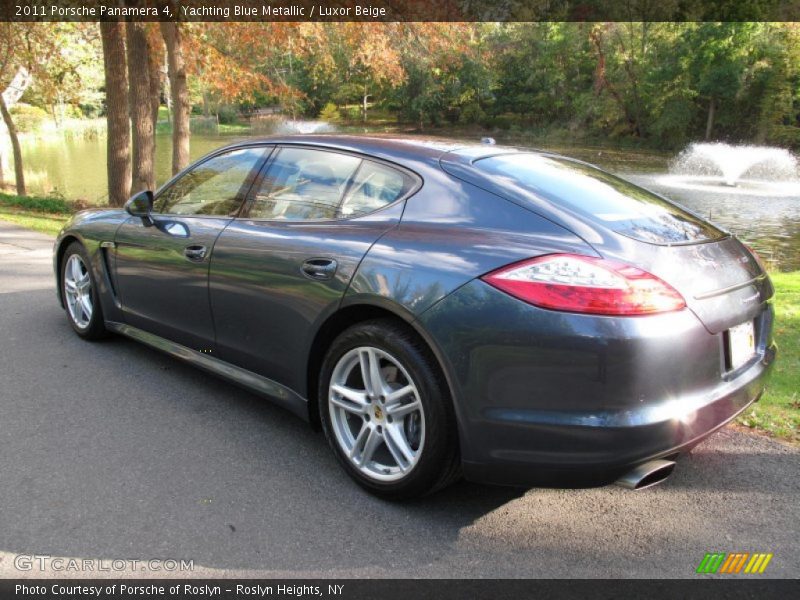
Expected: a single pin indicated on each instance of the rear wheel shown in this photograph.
(386, 411)
(79, 291)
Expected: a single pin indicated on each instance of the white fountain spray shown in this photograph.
(298, 126)
(734, 162)
(734, 170)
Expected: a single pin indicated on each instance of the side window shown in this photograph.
(374, 187)
(213, 187)
(303, 184)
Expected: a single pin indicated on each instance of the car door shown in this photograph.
(161, 264)
(283, 266)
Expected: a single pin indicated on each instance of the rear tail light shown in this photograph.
(584, 284)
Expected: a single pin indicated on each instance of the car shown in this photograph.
(438, 308)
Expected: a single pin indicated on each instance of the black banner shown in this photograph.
(400, 10)
(385, 589)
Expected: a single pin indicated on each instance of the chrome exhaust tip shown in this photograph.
(647, 474)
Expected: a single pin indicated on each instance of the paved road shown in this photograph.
(113, 451)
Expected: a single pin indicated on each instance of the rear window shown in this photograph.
(618, 204)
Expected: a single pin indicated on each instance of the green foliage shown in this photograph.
(227, 114)
(330, 113)
(27, 118)
(51, 204)
(91, 110)
(471, 113)
(778, 412)
(352, 113)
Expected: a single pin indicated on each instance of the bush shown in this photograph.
(353, 113)
(330, 113)
(45, 205)
(228, 114)
(504, 122)
(785, 135)
(90, 110)
(471, 113)
(28, 118)
(202, 124)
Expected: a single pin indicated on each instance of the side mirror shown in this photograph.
(141, 205)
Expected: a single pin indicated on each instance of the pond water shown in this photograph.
(75, 166)
(768, 220)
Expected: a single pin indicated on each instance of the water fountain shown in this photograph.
(277, 124)
(753, 191)
(752, 168)
(304, 126)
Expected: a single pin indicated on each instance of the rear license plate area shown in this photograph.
(740, 345)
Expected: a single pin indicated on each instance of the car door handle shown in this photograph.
(196, 253)
(319, 268)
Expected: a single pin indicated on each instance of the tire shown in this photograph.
(397, 438)
(79, 291)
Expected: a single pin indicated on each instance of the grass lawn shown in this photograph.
(46, 215)
(777, 414)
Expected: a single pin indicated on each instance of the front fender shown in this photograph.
(91, 228)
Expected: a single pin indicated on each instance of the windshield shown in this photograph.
(620, 205)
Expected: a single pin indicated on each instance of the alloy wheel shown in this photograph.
(78, 291)
(376, 413)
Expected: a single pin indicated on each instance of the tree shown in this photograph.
(118, 144)
(23, 46)
(372, 58)
(179, 92)
(19, 173)
(140, 105)
(71, 77)
(436, 63)
(155, 61)
(719, 56)
(234, 62)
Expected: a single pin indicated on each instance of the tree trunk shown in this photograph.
(206, 104)
(118, 162)
(167, 90)
(12, 133)
(712, 107)
(141, 107)
(179, 94)
(154, 60)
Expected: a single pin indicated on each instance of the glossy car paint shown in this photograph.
(540, 396)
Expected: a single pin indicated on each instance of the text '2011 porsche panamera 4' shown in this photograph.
(441, 309)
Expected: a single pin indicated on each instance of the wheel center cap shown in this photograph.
(378, 413)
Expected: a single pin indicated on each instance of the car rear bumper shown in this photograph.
(601, 454)
(587, 398)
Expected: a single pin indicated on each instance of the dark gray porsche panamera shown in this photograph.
(440, 309)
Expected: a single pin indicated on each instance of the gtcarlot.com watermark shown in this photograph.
(43, 562)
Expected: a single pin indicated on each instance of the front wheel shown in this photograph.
(386, 411)
(79, 291)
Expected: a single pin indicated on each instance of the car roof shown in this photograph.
(393, 146)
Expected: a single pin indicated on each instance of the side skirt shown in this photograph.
(272, 390)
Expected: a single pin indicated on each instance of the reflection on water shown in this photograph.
(769, 220)
(75, 167)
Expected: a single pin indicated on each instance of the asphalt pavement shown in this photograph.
(113, 451)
